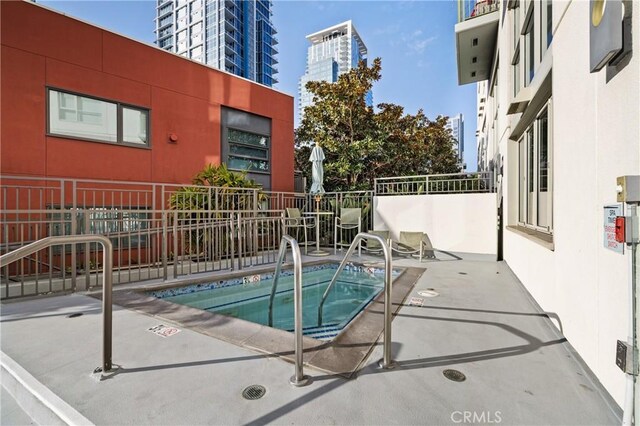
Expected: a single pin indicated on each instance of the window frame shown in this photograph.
(529, 177)
(546, 26)
(119, 119)
(529, 54)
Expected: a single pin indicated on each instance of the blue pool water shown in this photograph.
(248, 297)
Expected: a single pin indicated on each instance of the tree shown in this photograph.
(361, 144)
(228, 195)
(217, 192)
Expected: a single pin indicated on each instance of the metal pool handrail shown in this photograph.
(298, 379)
(107, 278)
(386, 361)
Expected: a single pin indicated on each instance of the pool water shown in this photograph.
(248, 297)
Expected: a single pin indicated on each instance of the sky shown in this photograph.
(415, 40)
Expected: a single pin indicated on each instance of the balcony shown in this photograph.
(476, 36)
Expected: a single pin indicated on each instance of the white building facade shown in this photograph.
(333, 51)
(557, 135)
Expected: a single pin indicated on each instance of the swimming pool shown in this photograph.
(247, 297)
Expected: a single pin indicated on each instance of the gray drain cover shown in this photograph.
(454, 375)
(254, 392)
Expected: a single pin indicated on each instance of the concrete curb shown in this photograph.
(38, 401)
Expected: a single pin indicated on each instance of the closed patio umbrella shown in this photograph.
(317, 173)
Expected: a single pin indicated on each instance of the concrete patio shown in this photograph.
(519, 369)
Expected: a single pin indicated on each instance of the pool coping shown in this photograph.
(344, 355)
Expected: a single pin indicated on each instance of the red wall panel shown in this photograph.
(40, 31)
(63, 75)
(196, 123)
(96, 160)
(22, 141)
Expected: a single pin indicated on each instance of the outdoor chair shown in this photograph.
(414, 244)
(373, 246)
(349, 218)
(294, 220)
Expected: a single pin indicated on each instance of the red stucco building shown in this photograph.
(81, 102)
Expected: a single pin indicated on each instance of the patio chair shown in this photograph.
(414, 244)
(295, 220)
(349, 218)
(373, 246)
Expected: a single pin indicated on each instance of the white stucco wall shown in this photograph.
(596, 137)
(454, 222)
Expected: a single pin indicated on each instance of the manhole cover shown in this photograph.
(254, 392)
(428, 293)
(76, 315)
(462, 273)
(454, 375)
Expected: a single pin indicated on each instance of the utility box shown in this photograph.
(624, 357)
(628, 189)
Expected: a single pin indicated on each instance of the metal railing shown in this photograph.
(452, 183)
(158, 231)
(107, 275)
(469, 9)
(298, 379)
(386, 361)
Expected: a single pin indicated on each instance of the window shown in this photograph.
(529, 54)
(134, 125)
(546, 26)
(248, 151)
(534, 175)
(165, 21)
(82, 117)
(515, 60)
(165, 9)
(516, 71)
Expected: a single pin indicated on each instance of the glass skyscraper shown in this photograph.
(456, 125)
(232, 35)
(333, 51)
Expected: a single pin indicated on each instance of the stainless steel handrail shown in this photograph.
(298, 379)
(107, 278)
(386, 361)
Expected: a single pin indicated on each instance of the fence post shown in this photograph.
(232, 245)
(165, 247)
(175, 245)
(87, 250)
(74, 231)
(255, 202)
(240, 245)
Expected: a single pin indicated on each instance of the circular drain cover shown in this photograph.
(428, 293)
(254, 392)
(76, 315)
(454, 375)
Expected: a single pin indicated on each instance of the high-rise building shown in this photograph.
(456, 125)
(236, 36)
(333, 51)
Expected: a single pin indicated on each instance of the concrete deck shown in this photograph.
(519, 369)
